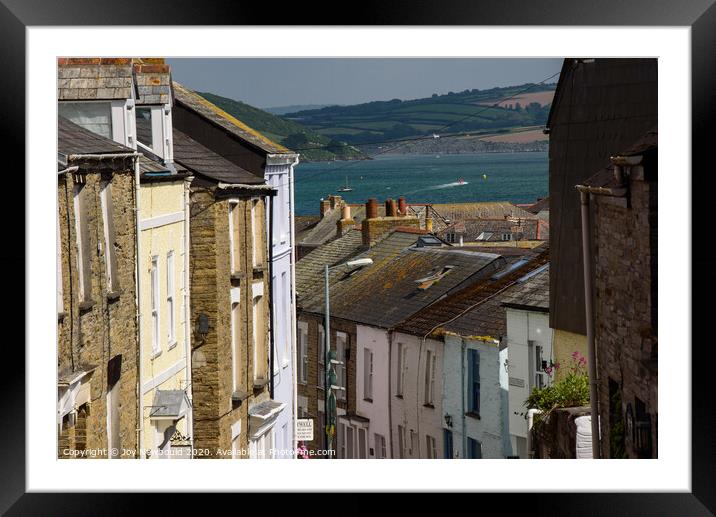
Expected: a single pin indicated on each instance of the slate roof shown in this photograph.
(309, 270)
(482, 210)
(477, 309)
(540, 205)
(94, 78)
(199, 159)
(74, 139)
(531, 291)
(219, 117)
(388, 292)
(493, 229)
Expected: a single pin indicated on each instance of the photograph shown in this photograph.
(348, 258)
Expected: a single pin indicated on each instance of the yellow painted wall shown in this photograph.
(157, 199)
(564, 345)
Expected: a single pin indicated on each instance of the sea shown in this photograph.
(519, 177)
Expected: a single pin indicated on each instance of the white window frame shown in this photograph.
(155, 306)
(321, 332)
(430, 367)
(341, 370)
(171, 301)
(303, 353)
(402, 367)
(255, 233)
(287, 310)
(379, 444)
(431, 447)
(83, 289)
(105, 190)
(257, 306)
(235, 344)
(234, 255)
(367, 374)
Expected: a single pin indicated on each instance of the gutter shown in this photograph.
(591, 348)
(107, 156)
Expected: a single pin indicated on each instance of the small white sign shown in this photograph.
(304, 429)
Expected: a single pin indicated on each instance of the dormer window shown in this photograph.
(93, 116)
(153, 123)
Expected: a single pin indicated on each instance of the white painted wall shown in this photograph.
(279, 174)
(490, 429)
(410, 411)
(377, 411)
(525, 330)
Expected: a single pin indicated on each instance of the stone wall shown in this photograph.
(625, 333)
(374, 229)
(555, 437)
(104, 329)
(212, 283)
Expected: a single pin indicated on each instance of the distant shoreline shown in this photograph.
(446, 153)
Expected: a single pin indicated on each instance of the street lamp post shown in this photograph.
(330, 407)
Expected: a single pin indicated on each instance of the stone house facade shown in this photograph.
(96, 304)
(624, 240)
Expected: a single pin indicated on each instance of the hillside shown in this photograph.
(493, 110)
(311, 145)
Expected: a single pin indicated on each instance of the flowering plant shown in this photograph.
(572, 390)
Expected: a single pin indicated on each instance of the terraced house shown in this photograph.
(236, 359)
(97, 412)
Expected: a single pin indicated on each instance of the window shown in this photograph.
(430, 365)
(402, 367)
(380, 450)
(144, 126)
(58, 258)
(539, 372)
(93, 116)
(473, 379)
(234, 242)
(286, 315)
(262, 447)
(341, 440)
(171, 295)
(321, 357)
(350, 442)
(367, 374)
(450, 237)
(110, 258)
(235, 345)
(113, 441)
(431, 447)
(342, 347)
(447, 444)
(257, 234)
(362, 443)
(506, 236)
(401, 442)
(150, 122)
(154, 296)
(259, 332)
(474, 449)
(413, 443)
(82, 237)
(303, 353)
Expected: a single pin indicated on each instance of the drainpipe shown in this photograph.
(588, 298)
(137, 287)
(187, 308)
(530, 422)
(463, 351)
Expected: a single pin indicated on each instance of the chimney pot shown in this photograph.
(392, 208)
(371, 208)
(402, 206)
(346, 212)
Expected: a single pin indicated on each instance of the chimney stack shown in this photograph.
(325, 207)
(402, 206)
(392, 208)
(371, 208)
(346, 222)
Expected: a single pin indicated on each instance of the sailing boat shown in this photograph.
(345, 188)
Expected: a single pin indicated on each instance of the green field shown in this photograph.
(470, 110)
(312, 145)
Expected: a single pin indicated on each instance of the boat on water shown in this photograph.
(345, 188)
(460, 181)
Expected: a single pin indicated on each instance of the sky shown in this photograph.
(274, 82)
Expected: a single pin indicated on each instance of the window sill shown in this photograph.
(238, 275)
(60, 316)
(238, 397)
(155, 354)
(86, 305)
(472, 414)
(260, 383)
(365, 399)
(399, 397)
(113, 295)
(172, 344)
(428, 405)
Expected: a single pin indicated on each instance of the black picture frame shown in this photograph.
(700, 15)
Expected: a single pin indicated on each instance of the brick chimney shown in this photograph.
(325, 207)
(373, 227)
(402, 206)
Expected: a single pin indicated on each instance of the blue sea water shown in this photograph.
(515, 177)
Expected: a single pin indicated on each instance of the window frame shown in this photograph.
(155, 305)
(368, 375)
(473, 387)
(171, 301)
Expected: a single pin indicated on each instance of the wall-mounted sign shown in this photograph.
(304, 429)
